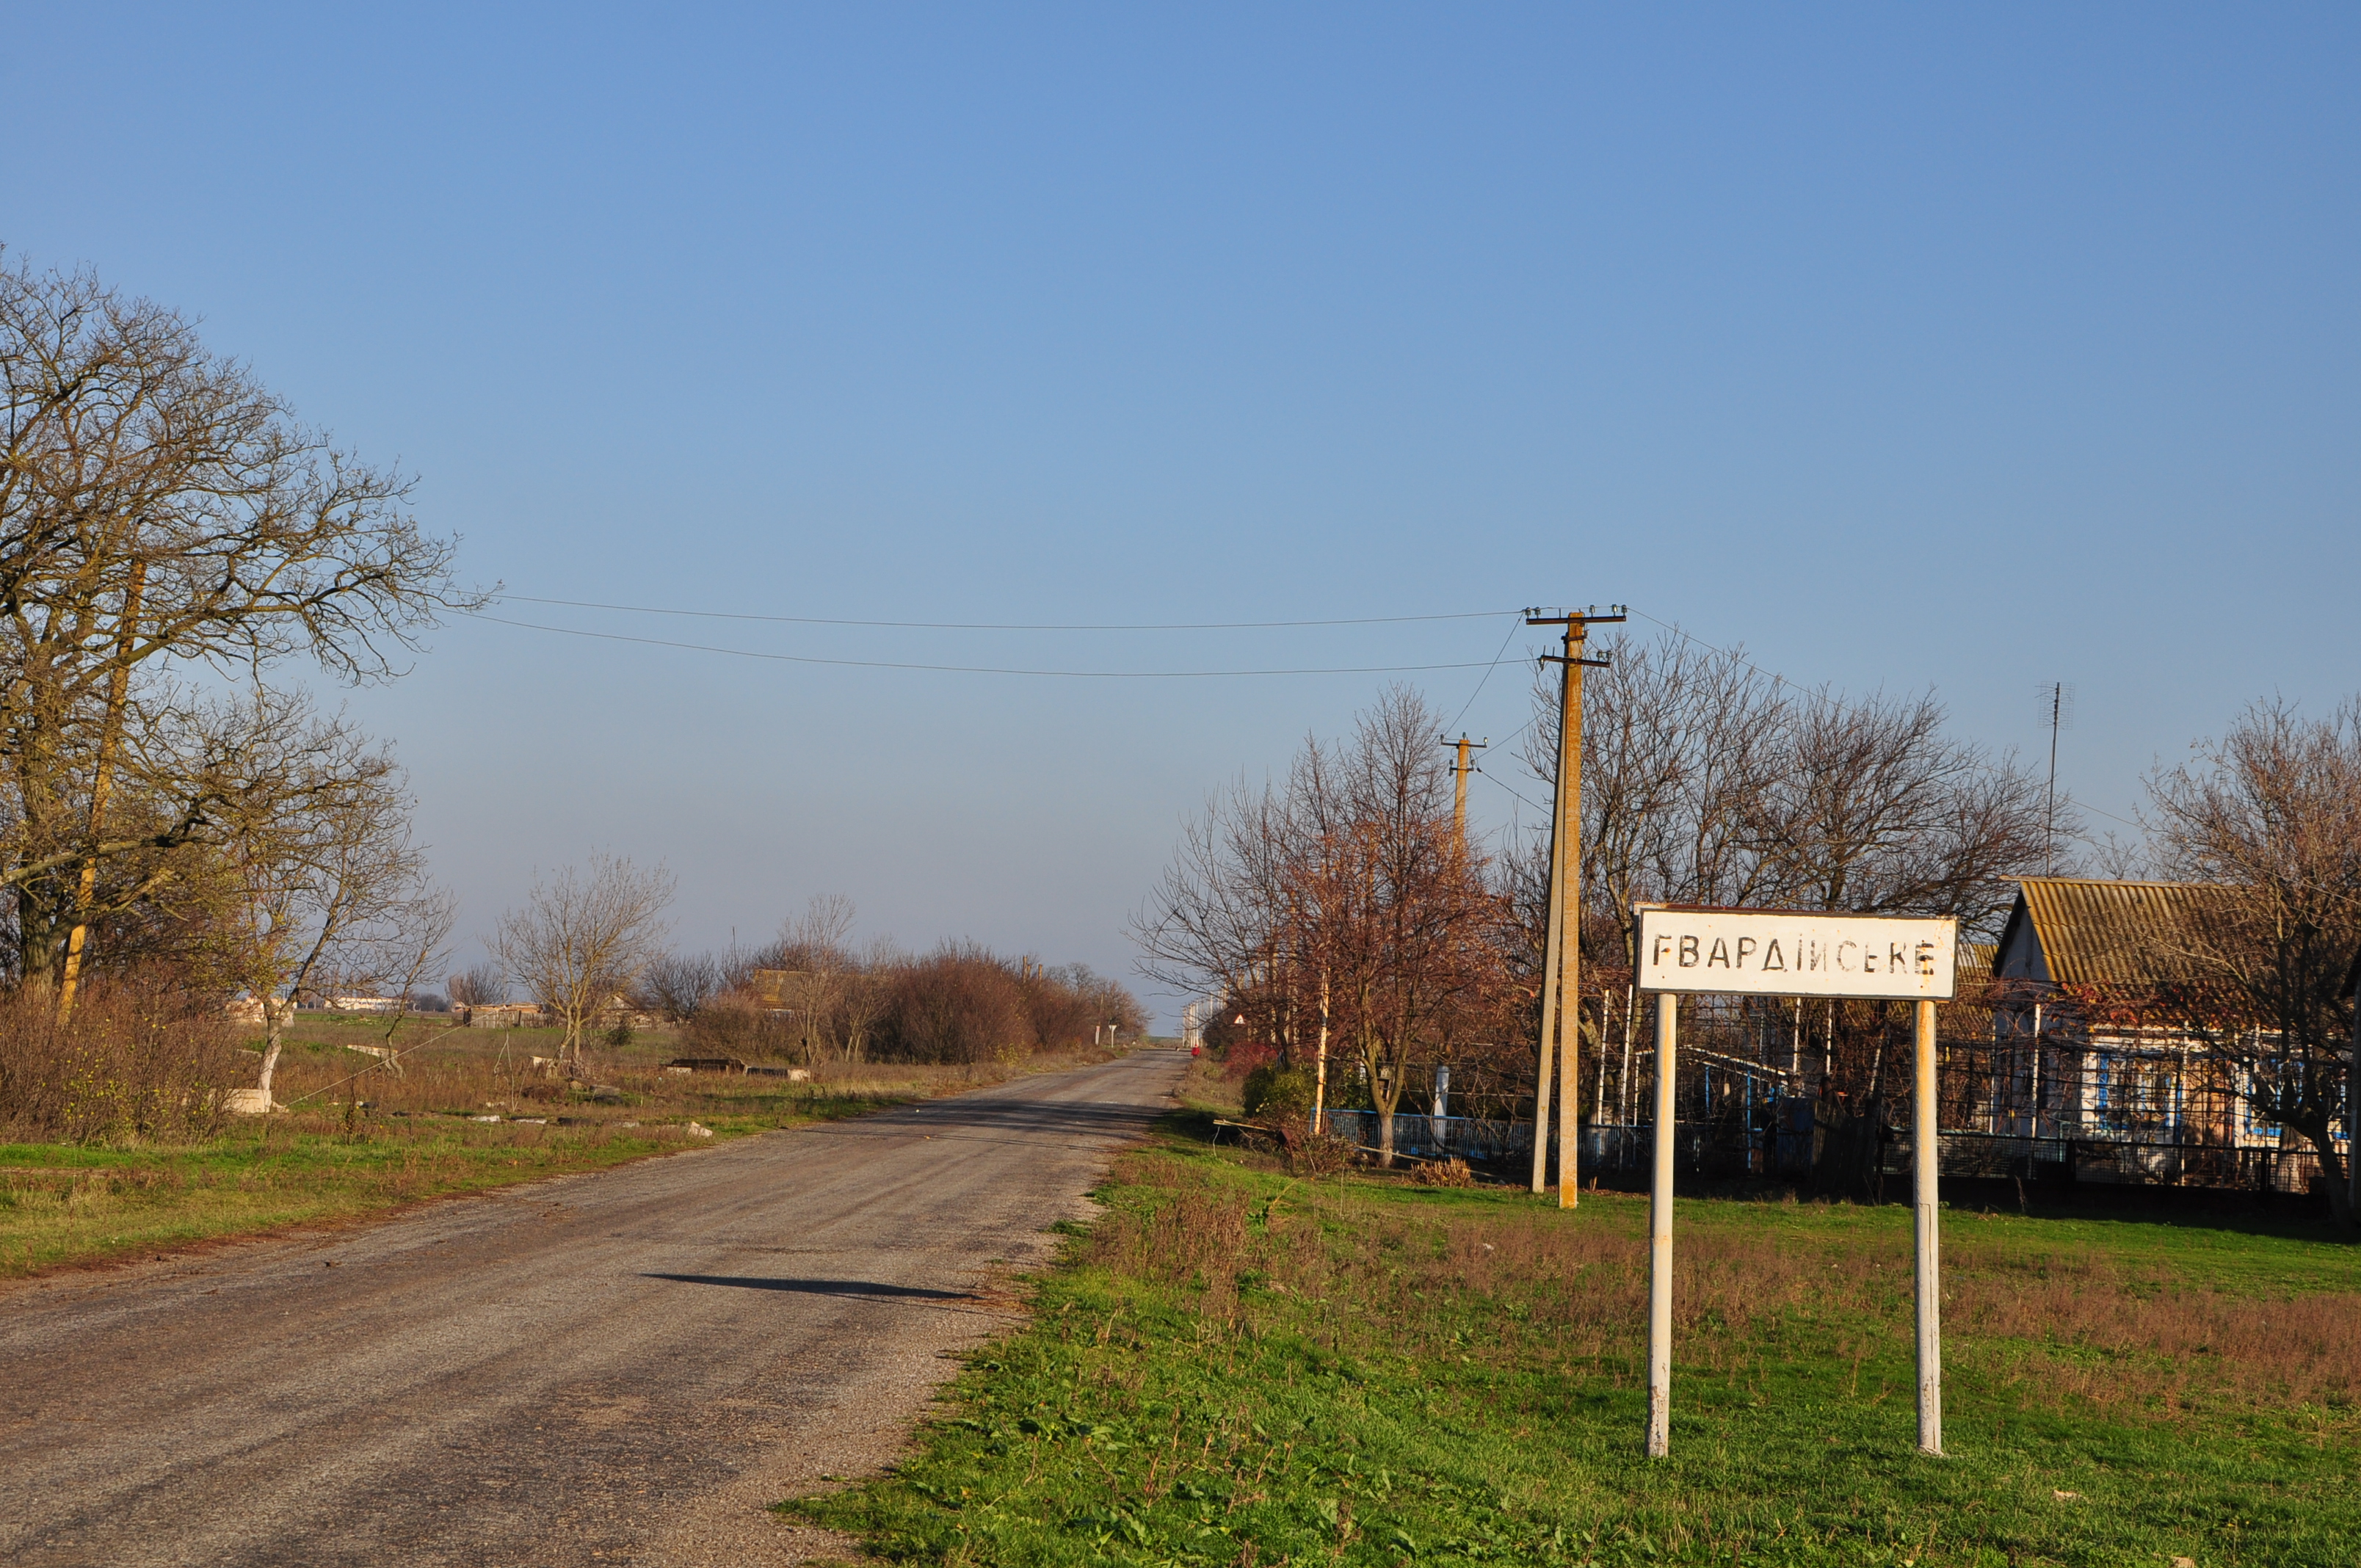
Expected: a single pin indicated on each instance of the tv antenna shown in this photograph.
(2057, 709)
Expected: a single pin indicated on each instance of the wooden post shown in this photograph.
(1660, 1236)
(1927, 1158)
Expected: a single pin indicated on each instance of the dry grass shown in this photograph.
(1523, 1287)
(2116, 1338)
(361, 1140)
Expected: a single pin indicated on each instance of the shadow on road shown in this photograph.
(821, 1287)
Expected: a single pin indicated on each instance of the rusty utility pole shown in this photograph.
(1459, 771)
(1562, 956)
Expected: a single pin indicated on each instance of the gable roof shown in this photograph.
(2124, 933)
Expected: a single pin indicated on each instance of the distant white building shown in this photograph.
(500, 1015)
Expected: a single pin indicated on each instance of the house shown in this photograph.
(782, 989)
(2096, 1064)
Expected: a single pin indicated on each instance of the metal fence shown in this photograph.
(1437, 1137)
(1780, 1148)
(1816, 1093)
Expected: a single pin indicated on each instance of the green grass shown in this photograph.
(60, 1204)
(65, 1204)
(1233, 1367)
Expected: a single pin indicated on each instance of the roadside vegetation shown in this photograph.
(466, 1113)
(1237, 1365)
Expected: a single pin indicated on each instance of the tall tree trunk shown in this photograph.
(1385, 1093)
(118, 690)
(275, 1016)
(2331, 1168)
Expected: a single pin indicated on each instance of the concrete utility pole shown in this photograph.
(1561, 957)
(1459, 771)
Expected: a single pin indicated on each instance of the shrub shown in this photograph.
(1279, 1094)
(737, 1025)
(1244, 1056)
(1318, 1154)
(1445, 1173)
(956, 1004)
(142, 1058)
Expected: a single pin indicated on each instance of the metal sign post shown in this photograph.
(1660, 1238)
(1752, 952)
(1926, 1159)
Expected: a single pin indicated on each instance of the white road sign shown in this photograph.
(1786, 953)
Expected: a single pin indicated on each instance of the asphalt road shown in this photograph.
(623, 1367)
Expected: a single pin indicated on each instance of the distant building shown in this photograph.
(500, 1015)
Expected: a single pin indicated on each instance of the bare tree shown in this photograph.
(481, 985)
(1707, 781)
(1875, 810)
(323, 880)
(813, 954)
(156, 504)
(1405, 927)
(408, 940)
(1680, 742)
(584, 938)
(1211, 920)
(865, 994)
(2272, 814)
(1343, 908)
(678, 986)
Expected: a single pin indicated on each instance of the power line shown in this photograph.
(976, 669)
(1487, 676)
(1014, 626)
(1497, 784)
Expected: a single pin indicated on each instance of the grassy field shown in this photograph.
(359, 1141)
(1235, 1367)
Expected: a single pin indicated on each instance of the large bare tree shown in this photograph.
(159, 506)
(1343, 907)
(583, 938)
(1707, 781)
(2272, 814)
(821, 969)
(320, 881)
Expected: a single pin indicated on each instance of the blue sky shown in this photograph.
(1962, 346)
